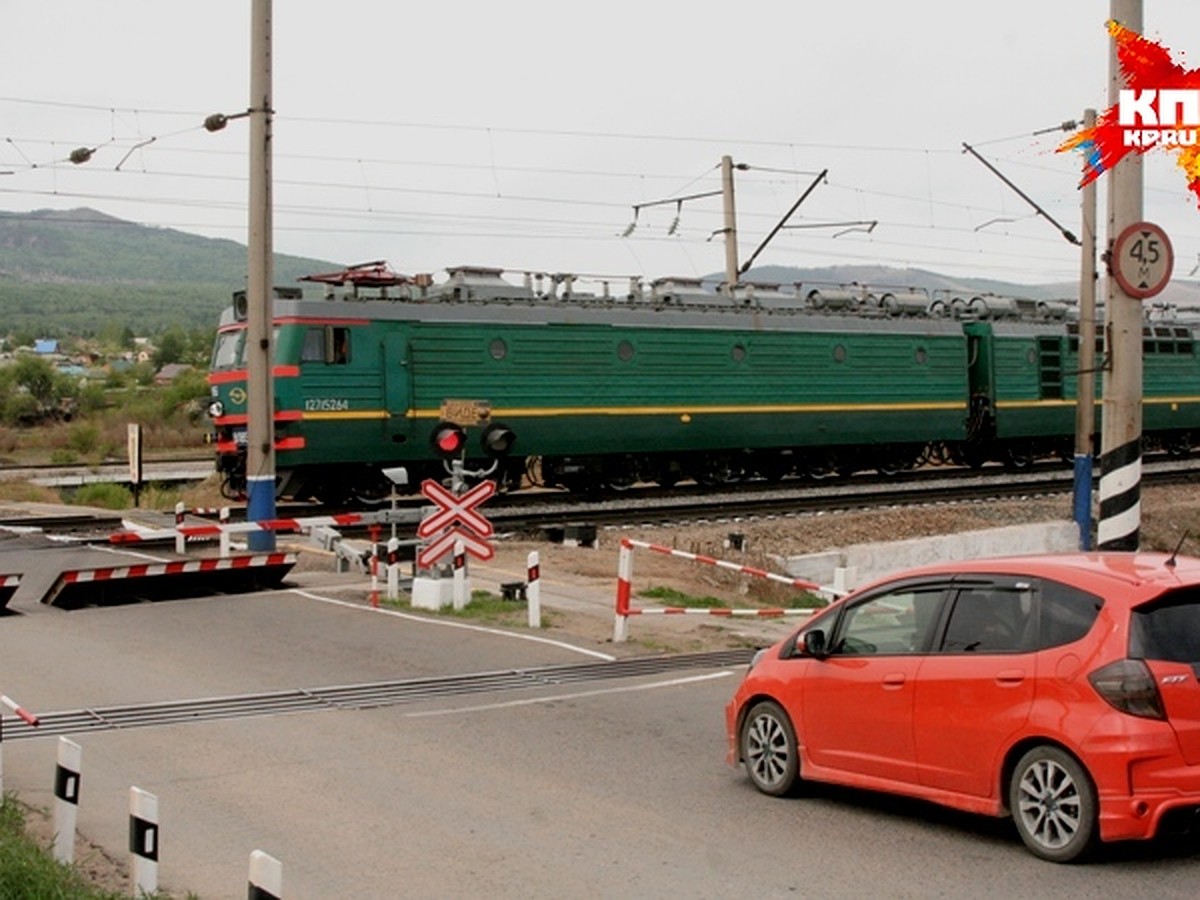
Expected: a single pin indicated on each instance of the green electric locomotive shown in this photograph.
(547, 384)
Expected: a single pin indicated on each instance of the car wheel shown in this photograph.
(1053, 804)
(768, 745)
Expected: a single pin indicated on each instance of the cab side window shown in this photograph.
(313, 349)
(897, 622)
(992, 619)
(329, 345)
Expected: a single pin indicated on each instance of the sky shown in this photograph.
(521, 135)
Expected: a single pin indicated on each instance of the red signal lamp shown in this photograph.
(448, 440)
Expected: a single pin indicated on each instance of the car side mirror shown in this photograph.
(812, 643)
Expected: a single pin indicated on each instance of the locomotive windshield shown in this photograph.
(229, 350)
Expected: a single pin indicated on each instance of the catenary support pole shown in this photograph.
(1085, 396)
(1121, 433)
(260, 425)
(731, 250)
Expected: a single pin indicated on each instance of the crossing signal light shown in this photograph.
(448, 440)
(498, 440)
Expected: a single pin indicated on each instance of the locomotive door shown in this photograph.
(981, 380)
(397, 387)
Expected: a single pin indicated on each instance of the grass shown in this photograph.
(486, 607)
(28, 871)
(672, 597)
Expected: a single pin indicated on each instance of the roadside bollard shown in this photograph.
(180, 540)
(224, 539)
(393, 569)
(533, 590)
(460, 575)
(374, 531)
(266, 877)
(143, 840)
(66, 799)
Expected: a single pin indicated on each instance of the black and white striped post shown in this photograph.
(66, 799)
(143, 840)
(266, 877)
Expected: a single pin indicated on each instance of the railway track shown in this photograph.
(359, 696)
(916, 488)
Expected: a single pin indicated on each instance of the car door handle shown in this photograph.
(893, 681)
(1010, 677)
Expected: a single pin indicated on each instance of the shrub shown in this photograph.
(105, 496)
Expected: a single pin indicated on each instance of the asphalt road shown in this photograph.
(607, 788)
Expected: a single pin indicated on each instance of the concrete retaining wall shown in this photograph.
(866, 562)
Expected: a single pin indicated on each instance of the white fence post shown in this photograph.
(624, 577)
(224, 539)
(533, 590)
(66, 799)
(143, 840)
(266, 877)
(393, 569)
(180, 538)
(460, 575)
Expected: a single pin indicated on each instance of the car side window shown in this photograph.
(899, 621)
(992, 619)
(1067, 614)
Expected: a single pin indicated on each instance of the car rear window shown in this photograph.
(1167, 629)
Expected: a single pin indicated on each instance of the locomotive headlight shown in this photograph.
(216, 409)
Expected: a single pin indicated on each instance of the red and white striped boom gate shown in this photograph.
(625, 591)
(212, 529)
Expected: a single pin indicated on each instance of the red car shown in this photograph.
(1061, 690)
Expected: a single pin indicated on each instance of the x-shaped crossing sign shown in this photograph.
(454, 510)
(444, 543)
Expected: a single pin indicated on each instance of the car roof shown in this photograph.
(1134, 577)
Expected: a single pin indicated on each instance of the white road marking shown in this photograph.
(530, 701)
(447, 623)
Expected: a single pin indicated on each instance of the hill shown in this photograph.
(73, 272)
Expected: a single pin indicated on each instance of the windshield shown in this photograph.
(227, 354)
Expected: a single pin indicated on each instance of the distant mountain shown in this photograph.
(76, 272)
(86, 246)
(1181, 292)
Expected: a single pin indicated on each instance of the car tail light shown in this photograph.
(1128, 685)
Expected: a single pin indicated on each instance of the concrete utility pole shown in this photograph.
(731, 252)
(1085, 390)
(1121, 435)
(260, 425)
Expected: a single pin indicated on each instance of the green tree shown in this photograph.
(172, 345)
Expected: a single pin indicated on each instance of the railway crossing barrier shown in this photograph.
(29, 717)
(624, 609)
(8, 587)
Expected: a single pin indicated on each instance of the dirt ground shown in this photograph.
(1169, 515)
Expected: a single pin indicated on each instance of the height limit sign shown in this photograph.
(1142, 260)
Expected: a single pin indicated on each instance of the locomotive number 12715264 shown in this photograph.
(326, 404)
